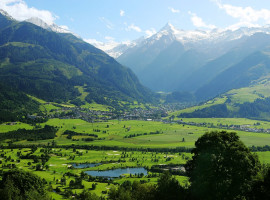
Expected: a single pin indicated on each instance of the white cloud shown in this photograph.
(122, 13)
(150, 32)
(173, 10)
(247, 15)
(19, 10)
(107, 23)
(134, 28)
(198, 22)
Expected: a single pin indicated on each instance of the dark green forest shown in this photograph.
(48, 132)
(15, 105)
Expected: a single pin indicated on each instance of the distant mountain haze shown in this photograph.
(178, 60)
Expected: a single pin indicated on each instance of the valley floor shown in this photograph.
(154, 146)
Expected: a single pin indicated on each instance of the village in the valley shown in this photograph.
(147, 114)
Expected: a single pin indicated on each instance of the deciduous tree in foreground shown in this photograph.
(222, 167)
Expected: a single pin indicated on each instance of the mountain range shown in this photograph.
(55, 65)
(46, 63)
(205, 63)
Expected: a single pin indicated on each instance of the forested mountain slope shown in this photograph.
(49, 65)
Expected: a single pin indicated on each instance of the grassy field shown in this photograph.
(264, 157)
(230, 121)
(121, 133)
(5, 127)
(258, 90)
(117, 133)
(250, 94)
(46, 107)
(216, 101)
(61, 160)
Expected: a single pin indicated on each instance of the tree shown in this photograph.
(132, 191)
(222, 167)
(47, 167)
(71, 183)
(63, 180)
(168, 188)
(19, 185)
(143, 191)
(86, 195)
(261, 188)
(38, 167)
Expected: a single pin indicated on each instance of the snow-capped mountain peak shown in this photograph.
(215, 35)
(189, 38)
(168, 32)
(39, 22)
(5, 14)
(113, 48)
(53, 27)
(169, 28)
(180, 35)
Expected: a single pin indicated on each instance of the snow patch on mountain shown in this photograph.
(216, 35)
(55, 28)
(5, 14)
(189, 38)
(112, 47)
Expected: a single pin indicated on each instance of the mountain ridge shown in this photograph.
(53, 27)
(54, 63)
(201, 57)
(190, 37)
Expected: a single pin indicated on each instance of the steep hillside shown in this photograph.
(178, 60)
(5, 19)
(171, 67)
(240, 75)
(49, 65)
(15, 105)
(247, 102)
(145, 52)
(204, 77)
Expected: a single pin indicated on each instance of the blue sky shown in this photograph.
(123, 20)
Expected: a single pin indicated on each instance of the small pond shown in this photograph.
(117, 172)
(85, 165)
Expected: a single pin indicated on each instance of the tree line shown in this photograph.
(48, 132)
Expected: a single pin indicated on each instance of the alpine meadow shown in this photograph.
(134, 100)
